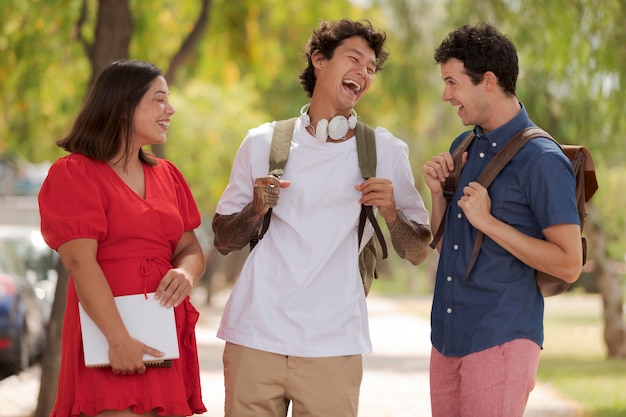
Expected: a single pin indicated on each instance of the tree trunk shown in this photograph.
(51, 360)
(606, 274)
(114, 30)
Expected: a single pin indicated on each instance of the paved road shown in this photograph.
(395, 380)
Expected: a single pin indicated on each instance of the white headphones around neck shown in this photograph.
(337, 128)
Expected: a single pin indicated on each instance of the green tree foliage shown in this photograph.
(41, 74)
(612, 201)
(203, 142)
(571, 72)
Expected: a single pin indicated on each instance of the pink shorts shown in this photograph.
(494, 382)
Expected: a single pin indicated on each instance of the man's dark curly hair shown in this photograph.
(330, 35)
(482, 48)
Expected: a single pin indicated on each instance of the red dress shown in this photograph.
(85, 198)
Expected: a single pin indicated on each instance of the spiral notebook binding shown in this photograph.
(157, 363)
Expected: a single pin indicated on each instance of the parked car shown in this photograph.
(39, 259)
(22, 319)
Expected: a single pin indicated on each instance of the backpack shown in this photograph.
(586, 186)
(366, 150)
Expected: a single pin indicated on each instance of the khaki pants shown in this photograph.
(262, 384)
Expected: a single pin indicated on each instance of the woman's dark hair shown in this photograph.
(482, 48)
(105, 122)
(330, 35)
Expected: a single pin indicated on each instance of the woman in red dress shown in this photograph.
(123, 223)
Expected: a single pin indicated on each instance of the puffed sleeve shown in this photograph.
(70, 203)
(186, 203)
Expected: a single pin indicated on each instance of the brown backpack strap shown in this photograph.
(452, 182)
(494, 167)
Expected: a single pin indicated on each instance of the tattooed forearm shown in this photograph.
(409, 239)
(233, 232)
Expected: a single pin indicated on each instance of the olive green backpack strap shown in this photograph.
(281, 143)
(279, 152)
(366, 150)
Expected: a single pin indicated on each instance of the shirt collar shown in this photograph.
(507, 131)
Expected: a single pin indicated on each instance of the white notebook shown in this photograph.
(145, 319)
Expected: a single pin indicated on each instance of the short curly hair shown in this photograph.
(329, 36)
(482, 48)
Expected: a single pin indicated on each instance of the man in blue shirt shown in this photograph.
(487, 330)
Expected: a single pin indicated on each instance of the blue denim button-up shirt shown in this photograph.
(500, 301)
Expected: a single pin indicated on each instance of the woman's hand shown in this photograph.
(174, 287)
(188, 266)
(126, 356)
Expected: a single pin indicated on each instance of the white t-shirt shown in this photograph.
(300, 291)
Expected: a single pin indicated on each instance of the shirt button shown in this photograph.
(456, 247)
(459, 215)
(482, 154)
(449, 310)
(449, 279)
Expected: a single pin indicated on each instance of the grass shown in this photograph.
(574, 356)
(573, 360)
